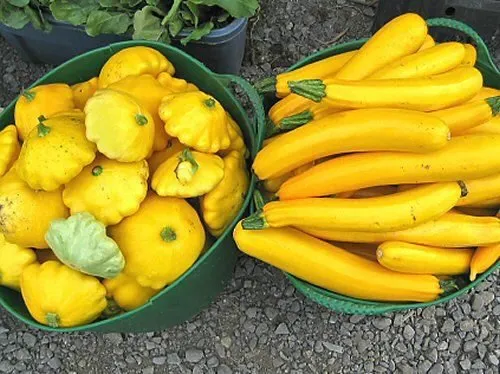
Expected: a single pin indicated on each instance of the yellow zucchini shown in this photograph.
(479, 212)
(274, 184)
(400, 37)
(421, 259)
(365, 250)
(374, 192)
(486, 92)
(326, 67)
(490, 127)
(394, 212)
(435, 60)
(350, 131)
(491, 203)
(465, 157)
(469, 115)
(483, 259)
(428, 43)
(453, 230)
(332, 268)
(470, 56)
(481, 189)
(425, 93)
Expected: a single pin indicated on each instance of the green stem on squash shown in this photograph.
(256, 221)
(52, 319)
(448, 285)
(43, 130)
(297, 120)
(494, 103)
(97, 170)
(187, 167)
(141, 119)
(463, 189)
(29, 95)
(168, 234)
(266, 85)
(312, 89)
(210, 103)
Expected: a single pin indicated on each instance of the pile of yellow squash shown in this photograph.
(381, 171)
(94, 182)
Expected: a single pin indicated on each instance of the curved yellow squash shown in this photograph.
(483, 259)
(451, 230)
(376, 214)
(127, 293)
(465, 157)
(108, 189)
(352, 131)
(470, 56)
(400, 37)
(434, 60)
(25, 214)
(159, 157)
(59, 296)
(420, 259)
(83, 91)
(9, 148)
(332, 268)
(133, 61)
(481, 190)
(13, 260)
(174, 235)
(428, 43)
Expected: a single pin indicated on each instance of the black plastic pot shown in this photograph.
(222, 50)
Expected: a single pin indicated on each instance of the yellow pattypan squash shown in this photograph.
(25, 214)
(133, 61)
(175, 85)
(221, 205)
(43, 100)
(13, 259)
(108, 189)
(173, 146)
(9, 148)
(84, 91)
(127, 293)
(55, 152)
(161, 241)
(236, 136)
(45, 254)
(148, 92)
(188, 174)
(121, 127)
(59, 296)
(197, 119)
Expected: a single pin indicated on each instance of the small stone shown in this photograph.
(465, 364)
(270, 313)
(408, 332)
(496, 310)
(470, 346)
(224, 369)
(262, 328)
(318, 347)
(436, 369)
(477, 302)
(493, 359)
(356, 318)
(363, 345)
(213, 362)
(454, 345)
(113, 337)
(467, 325)
(478, 364)
(226, 342)
(369, 12)
(249, 326)
(193, 355)
(251, 312)
(160, 360)
(424, 366)
(197, 370)
(282, 329)
(29, 340)
(173, 359)
(219, 349)
(6, 367)
(150, 346)
(448, 326)
(333, 347)
(432, 355)
(54, 363)
(382, 323)
(442, 346)
(148, 370)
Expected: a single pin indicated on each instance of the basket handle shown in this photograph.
(256, 101)
(482, 49)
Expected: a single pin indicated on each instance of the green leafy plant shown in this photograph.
(143, 19)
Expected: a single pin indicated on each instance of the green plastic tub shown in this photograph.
(198, 287)
(344, 304)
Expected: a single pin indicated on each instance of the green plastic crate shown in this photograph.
(197, 288)
(349, 305)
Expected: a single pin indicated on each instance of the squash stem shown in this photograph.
(42, 129)
(266, 85)
(297, 120)
(258, 200)
(210, 103)
(168, 234)
(448, 286)
(97, 170)
(52, 319)
(29, 95)
(312, 89)
(463, 189)
(255, 221)
(141, 119)
(494, 103)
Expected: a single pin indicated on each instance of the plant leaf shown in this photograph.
(152, 2)
(102, 22)
(195, 11)
(198, 33)
(75, 13)
(130, 3)
(236, 8)
(148, 26)
(19, 3)
(175, 25)
(109, 3)
(37, 20)
(172, 12)
(13, 16)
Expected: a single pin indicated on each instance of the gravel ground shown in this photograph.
(260, 324)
